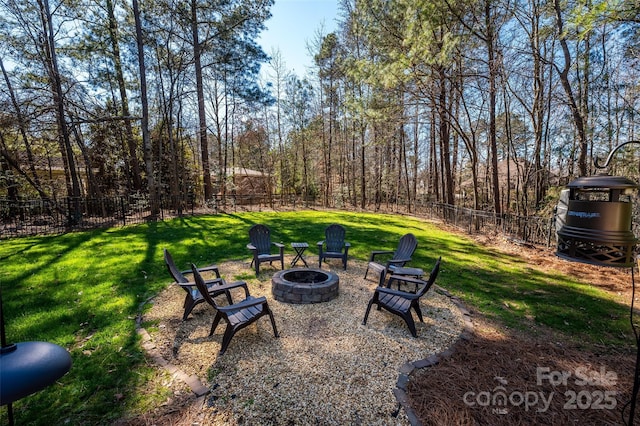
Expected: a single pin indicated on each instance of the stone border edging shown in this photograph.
(406, 370)
(147, 344)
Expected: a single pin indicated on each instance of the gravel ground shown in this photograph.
(325, 368)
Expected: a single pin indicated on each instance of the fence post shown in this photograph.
(124, 214)
(70, 213)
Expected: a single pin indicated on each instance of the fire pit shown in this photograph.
(302, 285)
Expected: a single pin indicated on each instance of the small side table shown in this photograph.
(412, 272)
(408, 272)
(299, 248)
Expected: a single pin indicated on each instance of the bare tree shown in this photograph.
(146, 139)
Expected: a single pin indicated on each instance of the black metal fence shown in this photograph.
(533, 230)
(42, 217)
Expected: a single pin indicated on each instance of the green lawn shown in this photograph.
(84, 290)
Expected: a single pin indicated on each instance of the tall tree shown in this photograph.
(114, 52)
(229, 28)
(278, 77)
(146, 139)
(563, 70)
(327, 60)
(22, 126)
(43, 36)
(529, 16)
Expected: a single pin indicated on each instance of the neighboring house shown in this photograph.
(247, 182)
(51, 173)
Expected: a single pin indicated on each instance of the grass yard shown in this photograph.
(84, 290)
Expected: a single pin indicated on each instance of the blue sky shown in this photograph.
(294, 23)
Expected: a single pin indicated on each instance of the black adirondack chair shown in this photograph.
(401, 302)
(260, 245)
(334, 245)
(406, 247)
(236, 315)
(193, 296)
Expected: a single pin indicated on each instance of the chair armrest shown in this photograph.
(207, 282)
(391, 261)
(406, 279)
(209, 268)
(320, 243)
(419, 283)
(406, 295)
(347, 244)
(279, 245)
(377, 253)
(247, 303)
(233, 285)
(251, 246)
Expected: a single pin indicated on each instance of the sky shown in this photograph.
(292, 25)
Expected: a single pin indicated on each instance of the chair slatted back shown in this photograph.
(173, 270)
(432, 278)
(202, 287)
(260, 237)
(334, 237)
(406, 247)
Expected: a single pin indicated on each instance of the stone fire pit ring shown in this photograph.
(304, 285)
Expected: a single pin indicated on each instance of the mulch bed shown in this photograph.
(501, 377)
(507, 377)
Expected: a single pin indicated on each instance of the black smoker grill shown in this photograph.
(597, 226)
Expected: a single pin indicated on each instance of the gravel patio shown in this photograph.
(326, 368)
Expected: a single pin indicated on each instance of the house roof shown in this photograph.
(243, 171)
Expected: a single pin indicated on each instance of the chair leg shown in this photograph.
(215, 323)
(409, 320)
(229, 299)
(226, 339)
(383, 275)
(282, 262)
(366, 272)
(273, 321)
(416, 307)
(257, 267)
(366, 314)
(189, 304)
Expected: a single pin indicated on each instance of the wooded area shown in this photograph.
(484, 104)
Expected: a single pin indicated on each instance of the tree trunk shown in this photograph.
(538, 106)
(134, 165)
(73, 182)
(146, 139)
(445, 137)
(497, 205)
(202, 117)
(363, 164)
(23, 134)
(578, 119)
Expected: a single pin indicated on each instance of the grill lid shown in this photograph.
(603, 182)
